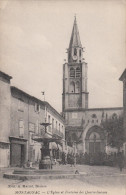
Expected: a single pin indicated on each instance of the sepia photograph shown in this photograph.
(63, 97)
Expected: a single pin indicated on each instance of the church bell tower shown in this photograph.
(75, 95)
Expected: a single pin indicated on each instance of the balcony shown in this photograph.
(57, 133)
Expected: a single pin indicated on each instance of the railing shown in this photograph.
(57, 132)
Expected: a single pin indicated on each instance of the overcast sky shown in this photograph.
(34, 36)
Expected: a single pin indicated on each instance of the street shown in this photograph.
(100, 180)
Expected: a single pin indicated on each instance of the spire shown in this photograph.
(75, 38)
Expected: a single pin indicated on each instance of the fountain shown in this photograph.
(46, 160)
(45, 170)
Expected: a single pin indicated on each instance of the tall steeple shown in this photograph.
(75, 95)
(75, 49)
(75, 37)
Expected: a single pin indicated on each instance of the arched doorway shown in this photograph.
(94, 143)
(95, 140)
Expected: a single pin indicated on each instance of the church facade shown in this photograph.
(82, 124)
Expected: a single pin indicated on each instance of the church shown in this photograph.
(82, 124)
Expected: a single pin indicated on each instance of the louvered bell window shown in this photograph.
(78, 72)
(72, 72)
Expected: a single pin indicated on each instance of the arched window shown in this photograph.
(72, 72)
(78, 72)
(75, 51)
(77, 87)
(72, 87)
(80, 52)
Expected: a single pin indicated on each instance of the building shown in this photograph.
(82, 124)
(123, 79)
(5, 102)
(21, 116)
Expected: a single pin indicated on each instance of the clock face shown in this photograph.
(74, 57)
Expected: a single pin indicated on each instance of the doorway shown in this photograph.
(94, 147)
(17, 152)
(95, 140)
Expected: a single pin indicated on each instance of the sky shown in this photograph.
(34, 36)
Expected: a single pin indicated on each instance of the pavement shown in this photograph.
(99, 180)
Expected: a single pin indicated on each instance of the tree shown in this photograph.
(114, 131)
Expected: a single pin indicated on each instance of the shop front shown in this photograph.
(18, 148)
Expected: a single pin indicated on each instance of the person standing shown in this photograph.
(120, 159)
(71, 159)
(63, 158)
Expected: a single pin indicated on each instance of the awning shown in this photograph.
(17, 140)
(60, 147)
(55, 146)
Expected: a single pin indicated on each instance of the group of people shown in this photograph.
(69, 158)
(113, 159)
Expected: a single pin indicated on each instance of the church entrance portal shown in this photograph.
(95, 140)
